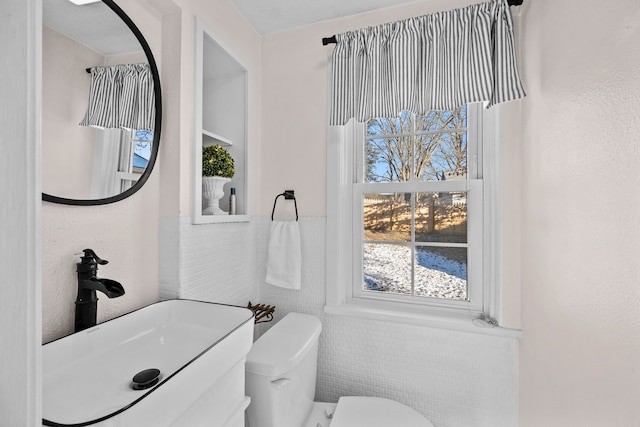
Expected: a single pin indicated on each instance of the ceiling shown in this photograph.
(271, 16)
(93, 25)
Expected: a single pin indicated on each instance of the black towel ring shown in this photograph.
(288, 195)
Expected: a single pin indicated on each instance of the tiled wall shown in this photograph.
(456, 379)
(453, 378)
(208, 262)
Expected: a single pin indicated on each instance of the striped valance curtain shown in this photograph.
(121, 96)
(432, 62)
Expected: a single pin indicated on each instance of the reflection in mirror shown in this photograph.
(98, 104)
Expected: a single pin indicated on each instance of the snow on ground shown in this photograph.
(388, 268)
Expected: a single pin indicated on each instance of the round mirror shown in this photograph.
(101, 103)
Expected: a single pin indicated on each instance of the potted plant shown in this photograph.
(217, 169)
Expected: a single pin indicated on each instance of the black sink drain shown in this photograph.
(145, 379)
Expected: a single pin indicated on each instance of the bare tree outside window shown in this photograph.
(416, 147)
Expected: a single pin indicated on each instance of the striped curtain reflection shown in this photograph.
(432, 62)
(121, 96)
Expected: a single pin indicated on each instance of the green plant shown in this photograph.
(216, 161)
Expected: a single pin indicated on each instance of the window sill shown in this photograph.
(453, 321)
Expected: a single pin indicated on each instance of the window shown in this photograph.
(135, 151)
(411, 217)
(410, 211)
(119, 159)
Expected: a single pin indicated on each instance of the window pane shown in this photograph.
(141, 155)
(441, 156)
(387, 216)
(441, 217)
(388, 159)
(391, 126)
(145, 135)
(387, 268)
(441, 272)
(382, 127)
(439, 120)
(142, 150)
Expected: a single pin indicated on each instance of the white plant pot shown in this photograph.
(212, 192)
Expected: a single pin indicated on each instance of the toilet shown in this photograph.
(281, 381)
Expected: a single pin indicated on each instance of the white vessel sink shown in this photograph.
(195, 345)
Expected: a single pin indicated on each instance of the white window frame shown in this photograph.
(342, 271)
(127, 176)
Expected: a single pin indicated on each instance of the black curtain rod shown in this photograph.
(332, 39)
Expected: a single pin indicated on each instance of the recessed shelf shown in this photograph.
(221, 91)
(212, 138)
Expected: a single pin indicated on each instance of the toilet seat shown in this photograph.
(356, 411)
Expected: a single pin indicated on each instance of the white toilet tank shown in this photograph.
(281, 372)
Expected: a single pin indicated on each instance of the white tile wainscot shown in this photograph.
(208, 262)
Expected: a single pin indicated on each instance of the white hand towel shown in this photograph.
(284, 264)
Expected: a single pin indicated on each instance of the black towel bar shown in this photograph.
(288, 195)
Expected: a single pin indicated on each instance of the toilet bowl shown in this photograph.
(281, 379)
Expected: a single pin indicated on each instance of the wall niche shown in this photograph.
(221, 118)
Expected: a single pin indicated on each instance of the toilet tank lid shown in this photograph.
(283, 346)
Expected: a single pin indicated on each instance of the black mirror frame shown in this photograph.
(156, 131)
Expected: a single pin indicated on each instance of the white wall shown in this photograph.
(454, 378)
(128, 233)
(572, 226)
(66, 147)
(232, 30)
(213, 262)
(20, 255)
(124, 233)
(570, 217)
(580, 152)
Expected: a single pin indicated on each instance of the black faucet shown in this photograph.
(88, 284)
